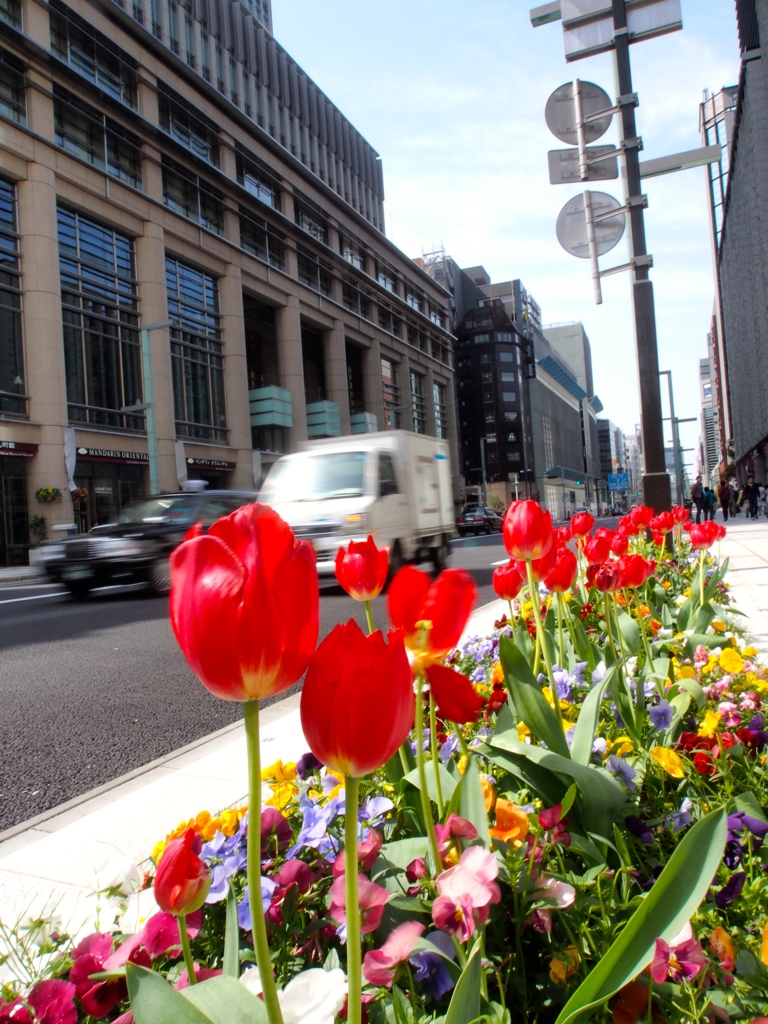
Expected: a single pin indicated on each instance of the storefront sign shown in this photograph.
(226, 467)
(107, 455)
(22, 448)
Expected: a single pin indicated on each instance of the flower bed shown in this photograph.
(568, 820)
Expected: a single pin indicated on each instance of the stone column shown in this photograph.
(429, 401)
(153, 304)
(336, 381)
(236, 376)
(39, 105)
(43, 345)
(290, 362)
(374, 395)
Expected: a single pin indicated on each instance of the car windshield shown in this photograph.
(315, 478)
(179, 508)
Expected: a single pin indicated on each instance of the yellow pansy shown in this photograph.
(621, 745)
(157, 850)
(666, 584)
(522, 731)
(749, 652)
(668, 760)
(280, 772)
(497, 676)
(686, 672)
(731, 661)
(547, 691)
(764, 947)
(462, 764)
(562, 967)
(719, 626)
(568, 596)
(710, 724)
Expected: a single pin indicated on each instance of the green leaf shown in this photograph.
(747, 802)
(621, 696)
(542, 783)
(706, 616)
(530, 702)
(589, 716)
(226, 1001)
(394, 858)
(447, 781)
(155, 1001)
(678, 891)
(472, 801)
(584, 648)
(602, 797)
(231, 962)
(684, 612)
(522, 639)
(630, 631)
(465, 1001)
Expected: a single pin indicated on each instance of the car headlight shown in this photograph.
(354, 523)
(108, 547)
(49, 551)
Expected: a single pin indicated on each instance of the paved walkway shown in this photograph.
(61, 857)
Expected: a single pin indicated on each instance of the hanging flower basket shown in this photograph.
(46, 495)
(78, 494)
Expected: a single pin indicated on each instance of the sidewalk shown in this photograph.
(62, 856)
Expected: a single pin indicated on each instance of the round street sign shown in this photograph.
(560, 112)
(571, 226)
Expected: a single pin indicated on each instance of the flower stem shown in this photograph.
(259, 927)
(369, 617)
(435, 759)
(701, 577)
(189, 963)
(560, 654)
(540, 634)
(352, 911)
(426, 807)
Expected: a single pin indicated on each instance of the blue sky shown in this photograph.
(452, 95)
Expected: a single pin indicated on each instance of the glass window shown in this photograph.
(509, 376)
(93, 57)
(386, 277)
(355, 299)
(311, 221)
(192, 197)
(387, 476)
(413, 299)
(97, 139)
(12, 386)
(314, 272)
(417, 403)
(102, 351)
(435, 316)
(481, 338)
(441, 421)
(188, 128)
(261, 240)
(509, 396)
(388, 321)
(12, 96)
(391, 394)
(507, 357)
(258, 181)
(197, 358)
(10, 12)
(503, 336)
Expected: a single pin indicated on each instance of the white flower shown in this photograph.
(632, 667)
(312, 997)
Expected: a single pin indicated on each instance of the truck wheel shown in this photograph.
(441, 555)
(79, 589)
(160, 576)
(396, 560)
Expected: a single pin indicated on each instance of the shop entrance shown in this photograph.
(110, 486)
(14, 513)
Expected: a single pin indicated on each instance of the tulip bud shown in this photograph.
(361, 569)
(597, 548)
(581, 524)
(563, 574)
(507, 581)
(528, 530)
(182, 879)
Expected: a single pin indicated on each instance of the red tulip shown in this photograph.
(527, 530)
(663, 522)
(680, 513)
(641, 515)
(635, 570)
(182, 880)
(433, 617)
(562, 536)
(562, 576)
(581, 524)
(626, 525)
(597, 548)
(719, 530)
(703, 535)
(540, 567)
(357, 702)
(606, 576)
(620, 543)
(507, 581)
(657, 536)
(362, 569)
(244, 604)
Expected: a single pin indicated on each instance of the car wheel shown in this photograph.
(396, 560)
(79, 589)
(441, 555)
(488, 530)
(160, 576)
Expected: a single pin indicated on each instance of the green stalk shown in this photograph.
(369, 617)
(189, 963)
(643, 631)
(352, 911)
(536, 615)
(701, 577)
(540, 635)
(426, 807)
(560, 653)
(258, 925)
(435, 758)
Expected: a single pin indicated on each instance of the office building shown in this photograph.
(188, 223)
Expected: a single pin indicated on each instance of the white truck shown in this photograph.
(393, 485)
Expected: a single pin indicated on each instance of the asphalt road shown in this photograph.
(91, 690)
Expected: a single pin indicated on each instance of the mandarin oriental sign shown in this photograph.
(108, 455)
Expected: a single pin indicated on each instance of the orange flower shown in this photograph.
(724, 948)
(489, 793)
(511, 823)
(655, 626)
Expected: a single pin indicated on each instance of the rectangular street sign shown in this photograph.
(588, 24)
(618, 482)
(564, 166)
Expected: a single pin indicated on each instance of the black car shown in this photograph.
(137, 548)
(479, 520)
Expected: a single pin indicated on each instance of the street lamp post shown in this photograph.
(149, 402)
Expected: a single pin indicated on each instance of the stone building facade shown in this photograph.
(183, 212)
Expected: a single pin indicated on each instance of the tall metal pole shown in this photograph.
(149, 402)
(656, 489)
(675, 438)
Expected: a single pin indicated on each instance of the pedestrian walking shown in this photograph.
(708, 499)
(750, 493)
(724, 497)
(697, 497)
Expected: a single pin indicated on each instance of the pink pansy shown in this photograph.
(94, 954)
(367, 852)
(473, 876)
(548, 888)
(201, 974)
(380, 965)
(454, 828)
(294, 872)
(53, 1002)
(541, 921)
(372, 900)
(454, 915)
(416, 869)
(681, 959)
